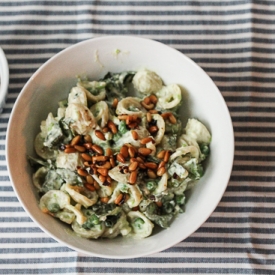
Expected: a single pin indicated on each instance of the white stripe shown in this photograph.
(145, 265)
(10, 204)
(23, 235)
(245, 204)
(122, 22)
(202, 46)
(186, 37)
(137, 8)
(243, 215)
(18, 215)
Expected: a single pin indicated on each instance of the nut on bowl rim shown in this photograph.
(180, 56)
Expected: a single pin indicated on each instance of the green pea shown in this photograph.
(205, 150)
(91, 221)
(168, 207)
(138, 223)
(54, 207)
(151, 185)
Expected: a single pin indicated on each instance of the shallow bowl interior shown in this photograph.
(95, 58)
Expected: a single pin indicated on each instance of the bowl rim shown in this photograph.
(4, 73)
(231, 141)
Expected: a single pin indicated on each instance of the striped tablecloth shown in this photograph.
(234, 42)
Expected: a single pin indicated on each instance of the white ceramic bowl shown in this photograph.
(95, 58)
(4, 79)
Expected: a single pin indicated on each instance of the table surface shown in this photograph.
(233, 41)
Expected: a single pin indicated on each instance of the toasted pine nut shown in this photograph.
(89, 179)
(97, 149)
(134, 135)
(172, 119)
(128, 145)
(125, 170)
(151, 174)
(166, 156)
(96, 185)
(115, 102)
(80, 148)
(151, 165)
(86, 163)
(82, 172)
(99, 158)
(102, 178)
(147, 100)
(103, 171)
(149, 117)
(105, 130)
(146, 140)
(109, 152)
(144, 151)
(161, 171)
(104, 199)
(124, 151)
(86, 157)
(88, 138)
(153, 129)
(112, 126)
(100, 135)
(140, 160)
(106, 165)
(147, 106)
(109, 179)
(89, 187)
(70, 150)
(133, 166)
(113, 162)
(166, 115)
(113, 129)
(153, 99)
(161, 164)
(88, 145)
(75, 140)
(132, 152)
(133, 177)
(118, 198)
(120, 158)
(161, 154)
(141, 166)
(128, 119)
(159, 203)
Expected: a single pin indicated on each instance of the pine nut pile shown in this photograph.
(132, 160)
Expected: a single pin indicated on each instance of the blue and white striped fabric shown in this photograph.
(234, 42)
